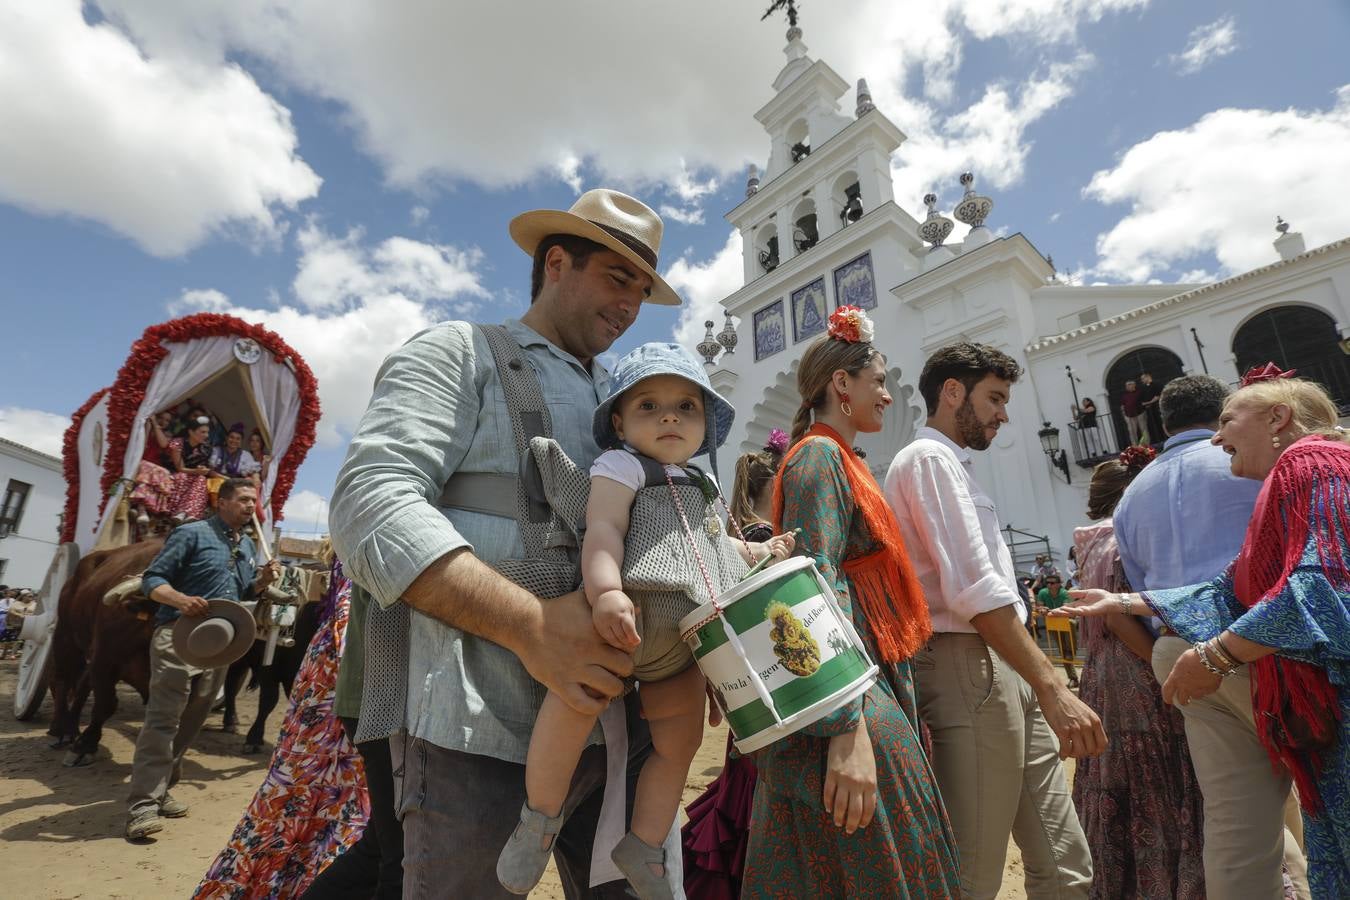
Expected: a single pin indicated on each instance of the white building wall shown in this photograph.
(30, 548)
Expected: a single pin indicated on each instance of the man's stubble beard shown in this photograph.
(970, 428)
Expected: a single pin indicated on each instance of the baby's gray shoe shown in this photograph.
(525, 856)
(635, 858)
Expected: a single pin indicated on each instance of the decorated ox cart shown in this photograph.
(243, 372)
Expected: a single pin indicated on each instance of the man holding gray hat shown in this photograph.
(194, 641)
(426, 504)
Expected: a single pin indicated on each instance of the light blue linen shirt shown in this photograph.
(438, 408)
(1182, 519)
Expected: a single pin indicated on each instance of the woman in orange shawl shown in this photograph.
(848, 805)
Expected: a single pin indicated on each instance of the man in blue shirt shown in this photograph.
(1180, 522)
(208, 559)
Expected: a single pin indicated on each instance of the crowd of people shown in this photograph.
(15, 605)
(187, 457)
(528, 719)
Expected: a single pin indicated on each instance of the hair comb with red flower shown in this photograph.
(1135, 458)
(850, 324)
(1268, 372)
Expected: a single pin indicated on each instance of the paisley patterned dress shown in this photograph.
(1139, 802)
(313, 802)
(795, 848)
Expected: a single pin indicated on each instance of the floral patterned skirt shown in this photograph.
(1139, 802)
(907, 851)
(313, 804)
(154, 487)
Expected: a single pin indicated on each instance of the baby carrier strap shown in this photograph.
(384, 693)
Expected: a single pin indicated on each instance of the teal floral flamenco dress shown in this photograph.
(1289, 589)
(795, 849)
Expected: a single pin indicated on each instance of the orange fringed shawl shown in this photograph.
(884, 584)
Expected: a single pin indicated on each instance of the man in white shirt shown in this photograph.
(989, 695)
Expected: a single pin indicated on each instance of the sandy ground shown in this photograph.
(61, 829)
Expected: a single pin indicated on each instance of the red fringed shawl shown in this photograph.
(1306, 494)
(884, 583)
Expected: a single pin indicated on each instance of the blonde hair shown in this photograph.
(754, 475)
(1311, 407)
(819, 363)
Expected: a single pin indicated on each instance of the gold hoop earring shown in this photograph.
(846, 409)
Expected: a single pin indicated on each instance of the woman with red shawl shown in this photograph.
(1282, 608)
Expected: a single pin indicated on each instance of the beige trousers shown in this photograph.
(180, 700)
(1252, 821)
(997, 765)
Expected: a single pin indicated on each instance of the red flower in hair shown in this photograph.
(1268, 372)
(1135, 458)
(851, 324)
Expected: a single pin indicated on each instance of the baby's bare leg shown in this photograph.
(674, 711)
(559, 737)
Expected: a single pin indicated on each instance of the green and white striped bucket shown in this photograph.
(778, 652)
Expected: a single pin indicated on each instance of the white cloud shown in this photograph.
(164, 149)
(419, 215)
(1217, 186)
(431, 99)
(987, 138)
(305, 513)
(1206, 44)
(357, 303)
(703, 285)
(685, 216)
(41, 431)
(334, 270)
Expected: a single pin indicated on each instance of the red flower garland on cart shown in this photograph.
(128, 392)
(70, 464)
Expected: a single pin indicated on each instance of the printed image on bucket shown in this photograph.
(780, 654)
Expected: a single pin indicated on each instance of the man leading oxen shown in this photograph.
(212, 559)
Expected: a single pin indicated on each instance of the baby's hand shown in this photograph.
(615, 619)
(780, 546)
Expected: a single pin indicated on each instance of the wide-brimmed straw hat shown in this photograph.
(662, 359)
(614, 220)
(216, 639)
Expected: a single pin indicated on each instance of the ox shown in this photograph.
(96, 646)
(270, 680)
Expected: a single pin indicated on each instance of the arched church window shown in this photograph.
(799, 141)
(1299, 337)
(766, 247)
(805, 233)
(848, 199)
(1162, 365)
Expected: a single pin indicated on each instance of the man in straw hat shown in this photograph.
(426, 502)
(204, 568)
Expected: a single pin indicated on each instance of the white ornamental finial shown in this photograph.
(864, 99)
(936, 227)
(708, 348)
(973, 208)
(1281, 225)
(752, 182)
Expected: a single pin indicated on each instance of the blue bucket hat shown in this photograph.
(662, 359)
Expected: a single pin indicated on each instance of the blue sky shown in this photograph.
(344, 171)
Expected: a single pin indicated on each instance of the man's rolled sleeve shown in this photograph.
(169, 561)
(950, 529)
(413, 436)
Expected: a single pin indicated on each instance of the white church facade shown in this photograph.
(821, 229)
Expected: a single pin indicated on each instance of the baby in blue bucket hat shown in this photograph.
(655, 550)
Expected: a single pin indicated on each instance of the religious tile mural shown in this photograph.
(770, 330)
(854, 284)
(809, 310)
